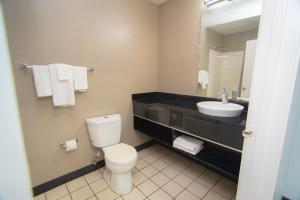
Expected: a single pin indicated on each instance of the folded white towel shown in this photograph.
(41, 76)
(190, 152)
(64, 72)
(80, 78)
(63, 91)
(203, 78)
(184, 148)
(188, 144)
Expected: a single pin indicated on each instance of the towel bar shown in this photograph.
(25, 66)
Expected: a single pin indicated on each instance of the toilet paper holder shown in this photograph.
(64, 146)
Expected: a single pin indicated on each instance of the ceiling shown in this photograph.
(158, 2)
(238, 26)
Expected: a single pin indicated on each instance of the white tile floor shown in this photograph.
(160, 174)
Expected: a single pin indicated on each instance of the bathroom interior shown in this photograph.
(142, 99)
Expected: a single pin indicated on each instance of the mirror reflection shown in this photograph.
(227, 54)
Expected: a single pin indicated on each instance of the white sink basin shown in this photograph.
(218, 109)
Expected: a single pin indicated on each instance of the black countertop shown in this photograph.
(184, 104)
(181, 113)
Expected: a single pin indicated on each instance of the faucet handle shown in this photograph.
(224, 91)
(224, 96)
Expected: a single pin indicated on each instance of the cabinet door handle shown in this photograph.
(247, 134)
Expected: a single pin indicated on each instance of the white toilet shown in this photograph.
(120, 158)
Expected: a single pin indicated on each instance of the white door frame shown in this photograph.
(15, 179)
(274, 76)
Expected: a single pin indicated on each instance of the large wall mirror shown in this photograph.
(227, 49)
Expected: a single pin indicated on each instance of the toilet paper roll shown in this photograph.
(71, 145)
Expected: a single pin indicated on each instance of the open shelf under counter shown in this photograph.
(223, 160)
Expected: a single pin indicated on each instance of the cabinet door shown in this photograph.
(202, 128)
(223, 133)
(231, 135)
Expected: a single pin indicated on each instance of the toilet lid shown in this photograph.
(120, 153)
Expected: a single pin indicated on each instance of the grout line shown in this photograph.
(182, 172)
(145, 194)
(91, 188)
(211, 189)
(184, 188)
(160, 158)
(77, 188)
(170, 179)
(102, 189)
(68, 191)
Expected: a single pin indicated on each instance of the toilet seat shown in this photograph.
(120, 154)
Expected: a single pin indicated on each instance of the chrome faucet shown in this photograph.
(224, 95)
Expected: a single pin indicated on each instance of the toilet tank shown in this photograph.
(104, 130)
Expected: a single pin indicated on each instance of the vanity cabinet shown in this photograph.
(164, 117)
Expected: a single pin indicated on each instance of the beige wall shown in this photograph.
(238, 41)
(208, 40)
(179, 33)
(119, 38)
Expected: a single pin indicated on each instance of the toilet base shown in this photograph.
(119, 183)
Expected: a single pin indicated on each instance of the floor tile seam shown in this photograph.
(146, 162)
(149, 179)
(151, 192)
(93, 180)
(144, 180)
(151, 162)
(69, 193)
(93, 190)
(188, 191)
(194, 178)
(76, 189)
(185, 188)
(215, 191)
(177, 194)
(152, 175)
(172, 179)
(107, 186)
(83, 187)
(159, 169)
(153, 181)
(203, 186)
(103, 190)
(223, 195)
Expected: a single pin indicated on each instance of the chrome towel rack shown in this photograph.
(25, 66)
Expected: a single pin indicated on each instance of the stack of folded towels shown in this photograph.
(188, 144)
(60, 81)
